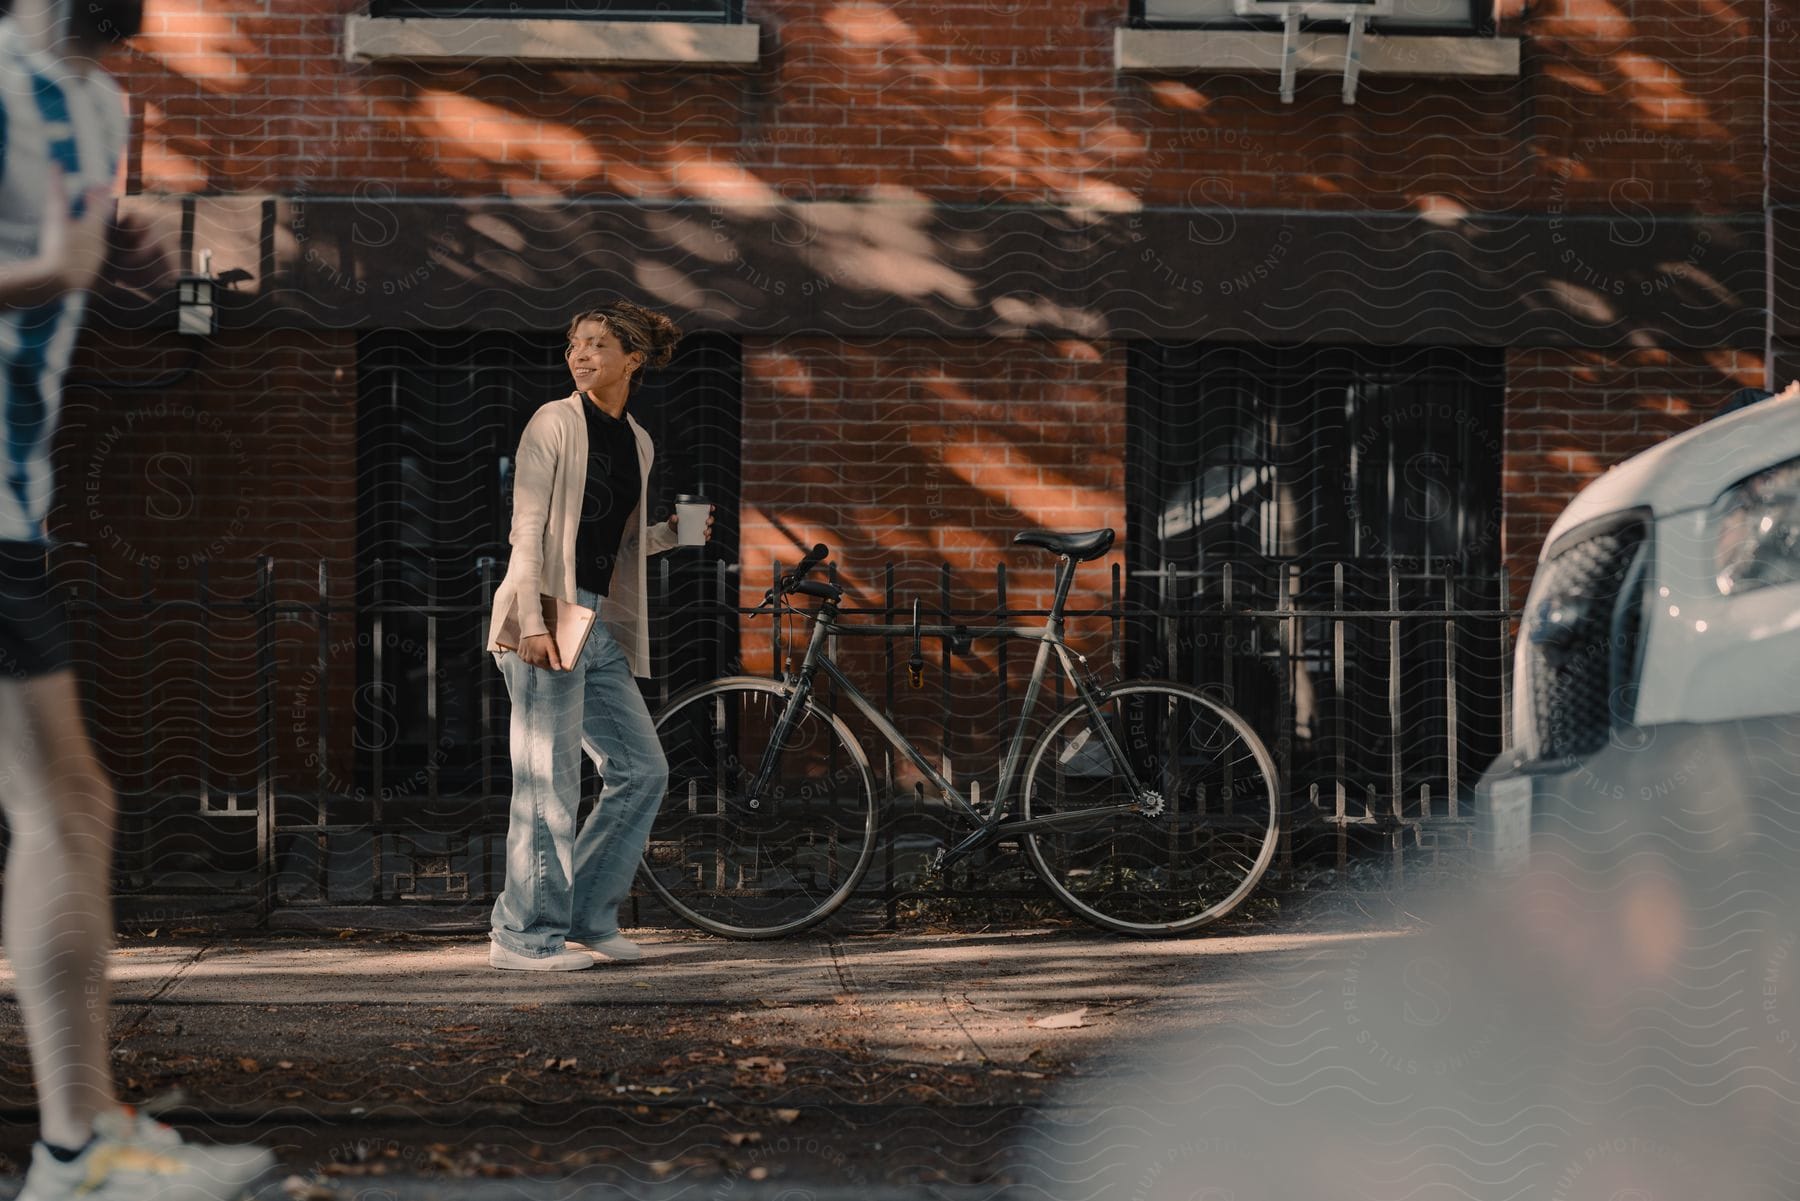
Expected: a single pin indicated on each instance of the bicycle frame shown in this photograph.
(995, 825)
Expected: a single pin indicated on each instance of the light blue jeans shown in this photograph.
(560, 883)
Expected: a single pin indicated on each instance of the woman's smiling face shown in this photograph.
(596, 360)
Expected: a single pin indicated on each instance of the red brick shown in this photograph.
(1572, 414)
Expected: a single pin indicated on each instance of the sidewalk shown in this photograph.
(402, 1066)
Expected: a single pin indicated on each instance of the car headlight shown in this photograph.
(1756, 531)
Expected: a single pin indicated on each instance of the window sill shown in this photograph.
(603, 43)
(1259, 50)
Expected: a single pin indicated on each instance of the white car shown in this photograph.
(1659, 652)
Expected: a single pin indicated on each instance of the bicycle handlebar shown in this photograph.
(791, 580)
(813, 558)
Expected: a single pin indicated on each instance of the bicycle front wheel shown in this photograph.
(1187, 846)
(759, 866)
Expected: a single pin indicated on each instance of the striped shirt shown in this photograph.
(50, 113)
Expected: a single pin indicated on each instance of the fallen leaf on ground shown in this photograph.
(787, 1115)
(559, 1064)
(298, 1188)
(1063, 1021)
(738, 1138)
(249, 1065)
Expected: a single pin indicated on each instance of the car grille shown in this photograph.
(1583, 641)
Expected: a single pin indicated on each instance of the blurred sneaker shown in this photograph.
(128, 1124)
(617, 947)
(111, 1168)
(512, 961)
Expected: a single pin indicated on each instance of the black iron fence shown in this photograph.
(283, 739)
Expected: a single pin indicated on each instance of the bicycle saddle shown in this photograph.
(1080, 547)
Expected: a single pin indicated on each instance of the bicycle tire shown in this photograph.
(793, 860)
(1162, 875)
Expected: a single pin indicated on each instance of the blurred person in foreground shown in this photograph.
(62, 134)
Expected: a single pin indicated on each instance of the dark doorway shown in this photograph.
(1314, 528)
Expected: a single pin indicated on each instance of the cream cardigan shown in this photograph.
(549, 478)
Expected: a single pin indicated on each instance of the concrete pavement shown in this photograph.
(402, 1066)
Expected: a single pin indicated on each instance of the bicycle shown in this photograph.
(1146, 807)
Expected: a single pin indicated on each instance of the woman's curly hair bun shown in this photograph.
(637, 328)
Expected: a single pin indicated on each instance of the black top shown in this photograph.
(611, 494)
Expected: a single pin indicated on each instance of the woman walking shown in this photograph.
(579, 493)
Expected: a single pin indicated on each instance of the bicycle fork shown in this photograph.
(784, 725)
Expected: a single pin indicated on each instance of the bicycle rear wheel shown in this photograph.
(771, 865)
(1206, 824)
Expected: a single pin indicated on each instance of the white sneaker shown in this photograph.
(116, 1169)
(512, 961)
(617, 947)
(129, 1124)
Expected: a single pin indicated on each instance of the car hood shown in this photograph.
(1691, 469)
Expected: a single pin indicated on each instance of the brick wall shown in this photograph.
(960, 100)
(920, 454)
(930, 452)
(893, 450)
(1658, 109)
(1572, 414)
(249, 450)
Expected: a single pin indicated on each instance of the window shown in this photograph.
(708, 34)
(439, 420)
(1269, 487)
(1423, 16)
(710, 11)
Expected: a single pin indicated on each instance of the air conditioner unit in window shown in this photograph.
(1354, 13)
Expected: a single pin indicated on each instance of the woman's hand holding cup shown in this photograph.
(686, 520)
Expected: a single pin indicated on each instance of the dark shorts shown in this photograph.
(34, 637)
